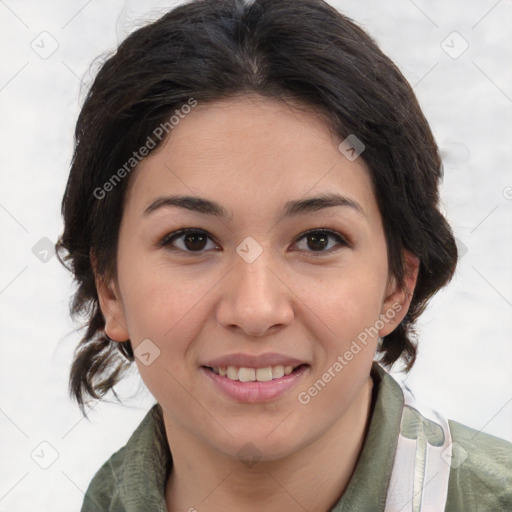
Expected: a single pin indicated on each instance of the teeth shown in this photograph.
(232, 373)
(277, 372)
(264, 374)
(246, 374)
(253, 374)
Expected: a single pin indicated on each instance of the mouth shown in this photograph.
(264, 374)
(254, 385)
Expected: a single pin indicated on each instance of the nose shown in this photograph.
(254, 298)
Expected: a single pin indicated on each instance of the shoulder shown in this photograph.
(115, 484)
(102, 492)
(481, 471)
(480, 477)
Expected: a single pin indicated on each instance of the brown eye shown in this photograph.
(187, 240)
(195, 241)
(318, 241)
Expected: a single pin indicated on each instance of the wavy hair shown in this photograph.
(302, 50)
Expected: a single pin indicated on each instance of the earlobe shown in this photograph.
(112, 309)
(398, 298)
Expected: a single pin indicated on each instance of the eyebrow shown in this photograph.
(291, 208)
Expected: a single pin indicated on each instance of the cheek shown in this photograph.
(350, 301)
(164, 307)
(158, 299)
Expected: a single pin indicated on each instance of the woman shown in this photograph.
(251, 216)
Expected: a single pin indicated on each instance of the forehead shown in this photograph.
(250, 151)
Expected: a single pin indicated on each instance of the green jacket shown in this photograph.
(133, 479)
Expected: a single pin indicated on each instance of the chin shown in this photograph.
(257, 445)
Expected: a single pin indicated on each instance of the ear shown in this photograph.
(112, 308)
(398, 299)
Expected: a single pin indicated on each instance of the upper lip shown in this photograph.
(250, 361)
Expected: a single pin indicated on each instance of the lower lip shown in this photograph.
(251, 392)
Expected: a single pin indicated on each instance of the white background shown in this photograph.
(464, 363)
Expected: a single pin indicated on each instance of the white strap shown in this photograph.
(421, 468)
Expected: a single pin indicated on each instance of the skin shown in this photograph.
(252, 155)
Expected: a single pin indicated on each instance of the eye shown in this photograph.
(193, 240)
(318, 241)
(187, 240)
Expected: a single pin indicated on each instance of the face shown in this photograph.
(264, 281)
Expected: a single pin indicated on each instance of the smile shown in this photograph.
(243, 374)
(251, 385)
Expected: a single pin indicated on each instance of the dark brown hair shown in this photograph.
(302, 50)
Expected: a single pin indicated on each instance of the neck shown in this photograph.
(312, 479)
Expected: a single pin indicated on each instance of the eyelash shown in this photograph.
(171, 237)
